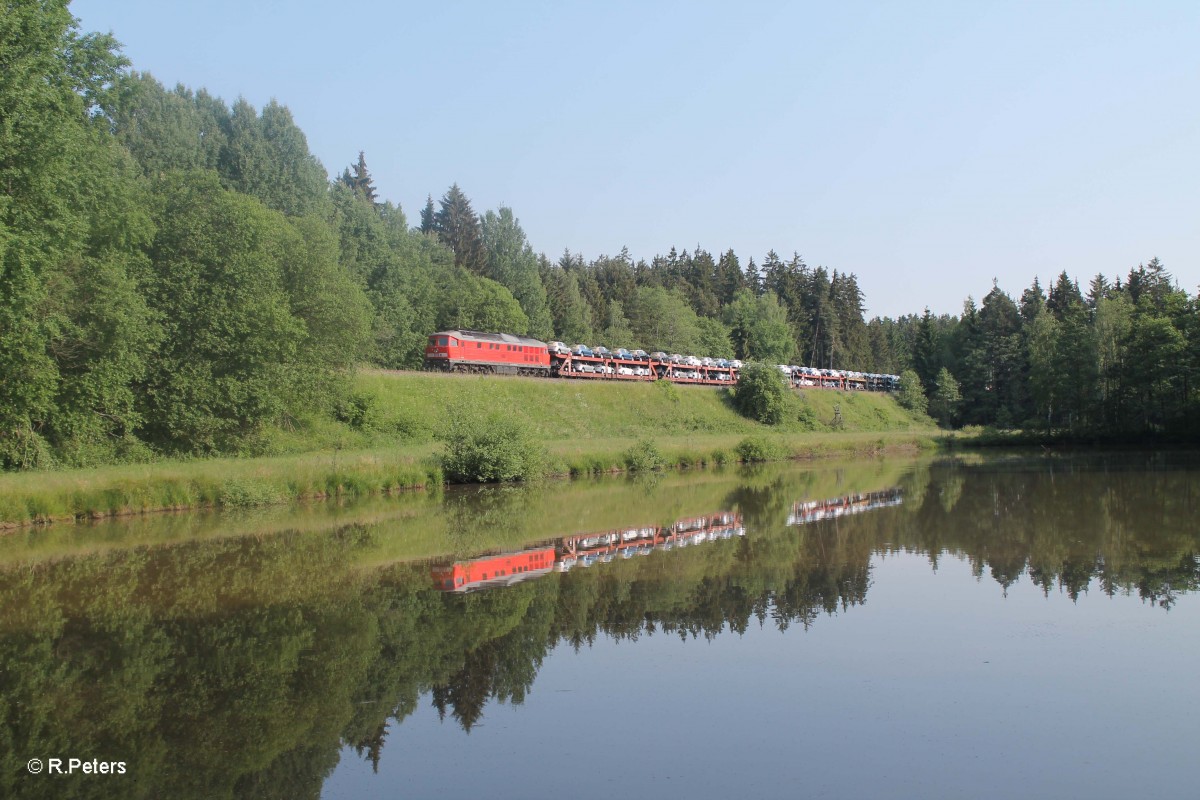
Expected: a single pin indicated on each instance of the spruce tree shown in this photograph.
(753, 277)
(730, 277)
(927, 350)
(1033, 300)
(428, 216)
(363, 184)
(458, 228)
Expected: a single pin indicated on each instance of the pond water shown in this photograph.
(977, 626)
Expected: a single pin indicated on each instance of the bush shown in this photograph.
(761, 394)
(246, 492)
(756, 448)
(495, 448)
(806, 415)
(358, 411)
(644, 457)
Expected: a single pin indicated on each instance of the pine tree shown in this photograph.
(700, 272)
(428, 217)
(927, 352)
(358, 178)
(730, 277)
(1098, 289)
(1033, 300)
(458, 228)
(1064, 297)
(753, 278)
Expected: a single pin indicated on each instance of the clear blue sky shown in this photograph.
(926, 147)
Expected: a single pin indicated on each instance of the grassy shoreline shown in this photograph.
(78, 495)
(587, 429)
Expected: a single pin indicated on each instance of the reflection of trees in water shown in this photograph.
(475, 515)
(239, 667)
(1066, 525)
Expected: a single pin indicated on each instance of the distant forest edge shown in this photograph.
(178, 275)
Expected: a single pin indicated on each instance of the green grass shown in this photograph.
(409, 404)
(587, 428)
(209, 483)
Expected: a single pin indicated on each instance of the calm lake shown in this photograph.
(978, 626)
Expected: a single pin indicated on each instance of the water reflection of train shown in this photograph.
(587, 549)
(816, 510)
(487, 572)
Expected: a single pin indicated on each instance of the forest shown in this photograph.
(178, 275)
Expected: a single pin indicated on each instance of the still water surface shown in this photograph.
(973, 627)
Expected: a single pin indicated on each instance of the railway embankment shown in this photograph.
(389, 438)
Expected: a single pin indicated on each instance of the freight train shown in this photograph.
(507, 354)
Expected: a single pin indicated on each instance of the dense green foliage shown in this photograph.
(178, 275)
(644, 456)
(761, 393)
(754, 449)
(495, 447)
(1122, 360)
(912, 393)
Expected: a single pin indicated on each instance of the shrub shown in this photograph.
(246, 492)
(644, 457)
(756, 448)
(358, 411)
(491, 449)
(806, 415)
(761, 394)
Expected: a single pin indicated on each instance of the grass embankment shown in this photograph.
(586, 427)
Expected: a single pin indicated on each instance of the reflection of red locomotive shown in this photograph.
(582, 550)
(487, 572)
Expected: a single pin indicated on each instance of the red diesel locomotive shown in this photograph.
(486, 353)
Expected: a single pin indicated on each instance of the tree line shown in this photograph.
(177, 275)
(1122, 358)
